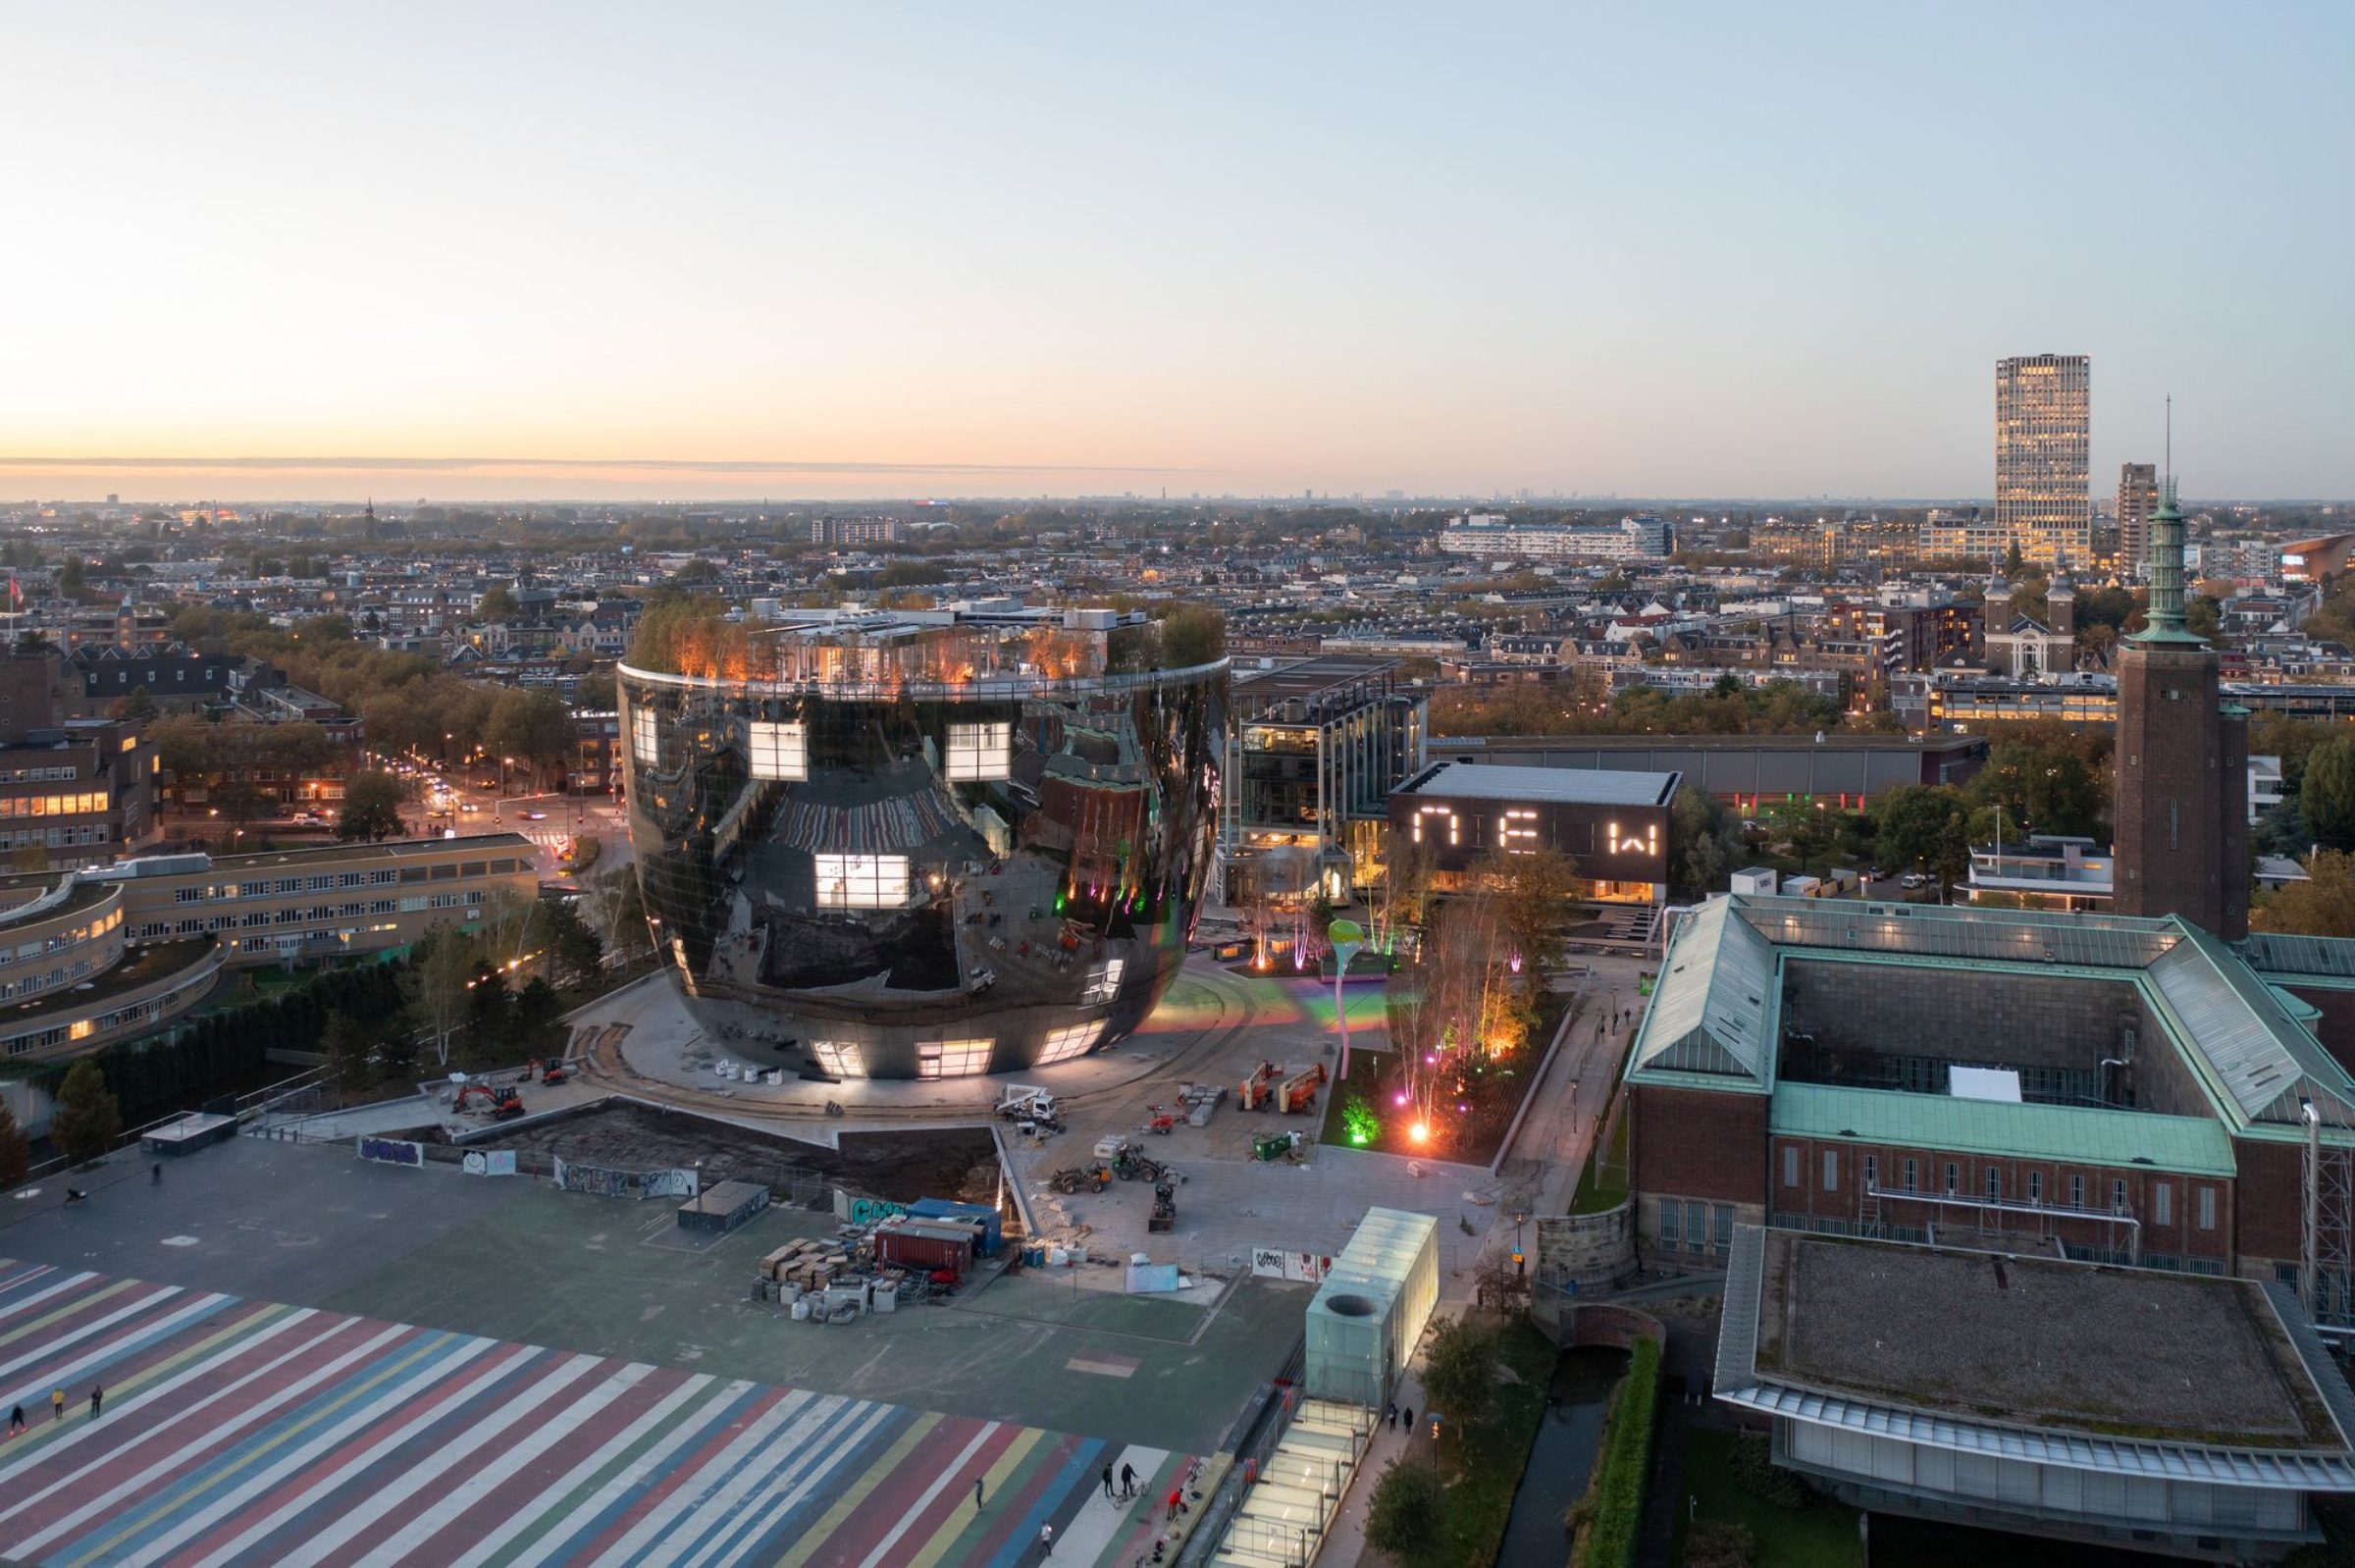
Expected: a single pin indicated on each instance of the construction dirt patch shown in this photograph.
(900, 1165)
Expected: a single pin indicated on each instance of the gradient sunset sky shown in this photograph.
(884, 250)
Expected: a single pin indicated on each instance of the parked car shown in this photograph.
(1911, 880)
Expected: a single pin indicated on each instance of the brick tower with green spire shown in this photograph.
(2183, 761)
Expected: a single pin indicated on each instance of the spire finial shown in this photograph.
(2170, 479)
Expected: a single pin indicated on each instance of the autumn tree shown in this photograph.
(2324, 904)
(534, 727)
(2048, 788)
(2326, 794)
(1190, 635)
(1926, 827)
(437, 987)
(87, 1117)
(1407, 1514)
(1459, 1369)
(372, 804)
(15, 1150)
(1532, 888)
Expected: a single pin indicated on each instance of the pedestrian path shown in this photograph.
(239, 1432)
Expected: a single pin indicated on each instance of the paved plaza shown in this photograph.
(516, 1260)
(242, 1431)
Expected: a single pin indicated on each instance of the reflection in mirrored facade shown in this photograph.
(918, 876)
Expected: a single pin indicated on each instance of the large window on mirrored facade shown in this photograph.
(912, 876)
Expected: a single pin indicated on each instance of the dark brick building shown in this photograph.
(2097, 1088)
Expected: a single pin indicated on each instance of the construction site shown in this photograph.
(886, 1289)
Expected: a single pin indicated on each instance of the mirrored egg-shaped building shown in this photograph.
(922, 847)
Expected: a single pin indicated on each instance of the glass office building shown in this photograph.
(923, 849)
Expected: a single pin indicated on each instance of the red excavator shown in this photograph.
(501, 1105)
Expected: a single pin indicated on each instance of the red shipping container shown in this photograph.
(914, 1249)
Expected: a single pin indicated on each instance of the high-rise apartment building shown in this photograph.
(2043, 497)
(2137, 497)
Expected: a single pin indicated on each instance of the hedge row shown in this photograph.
(1616, 1493)
(216, 1047)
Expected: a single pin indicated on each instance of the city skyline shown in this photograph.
(851, 256)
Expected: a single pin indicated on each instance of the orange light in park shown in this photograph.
(1420, 1132)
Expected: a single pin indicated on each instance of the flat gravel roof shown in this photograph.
(2133, 1353)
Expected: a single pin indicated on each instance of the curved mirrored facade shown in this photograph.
(926, 878)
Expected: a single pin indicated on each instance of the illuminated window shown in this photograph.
(1063, 1044)
(980, 752)
(780, 751)
(951, 1059)
(861, 881)
(842, 1059)
(1103, 982)
(646, 741)
(1517, 831)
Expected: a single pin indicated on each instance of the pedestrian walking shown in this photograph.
(1107, 1478)
(97, 1399)
(1408, 1416)
(1128, 1482)
(1390, 1413)
(1046, 1540)
(57, 1404)
(16, 1420)
(976, 1494)
(1176, 1501)
(155, 1177)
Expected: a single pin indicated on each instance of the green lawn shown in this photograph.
(1820, 1535)
(1483, 1464)
(1604, 1188)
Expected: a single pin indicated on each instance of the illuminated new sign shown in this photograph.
(1647, 843)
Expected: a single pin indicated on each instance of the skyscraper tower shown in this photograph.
(2183, 762)
(2043, 494)
(2137, 496)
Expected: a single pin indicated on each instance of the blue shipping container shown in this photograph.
(992, 1226)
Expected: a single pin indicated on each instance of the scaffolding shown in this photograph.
(2327, 1265)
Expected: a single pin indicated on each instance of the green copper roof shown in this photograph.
(1713, 1010)
(2317, 957)
(2164, 626)
(2189, 1145)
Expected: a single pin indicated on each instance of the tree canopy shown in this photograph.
(1779, 707)
(1926, 827)
(2322, 905)
(87, 1118)
(372, 804)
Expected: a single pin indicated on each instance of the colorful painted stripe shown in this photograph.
(239, 1432)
